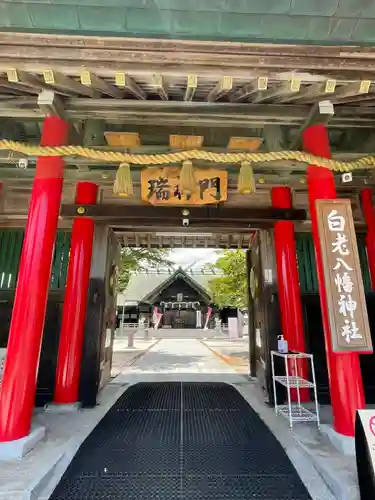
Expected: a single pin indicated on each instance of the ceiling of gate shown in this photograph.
(185, 239)
(332, 21)
(265, 94)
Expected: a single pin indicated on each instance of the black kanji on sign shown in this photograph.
(160, 188)
(209, 184)
(177, 193)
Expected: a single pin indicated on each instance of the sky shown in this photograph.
(195, 257)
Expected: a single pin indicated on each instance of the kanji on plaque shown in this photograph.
(161, 186)
(347, 311)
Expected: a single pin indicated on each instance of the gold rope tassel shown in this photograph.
(123, 185)
(246, 179)
(188, 183)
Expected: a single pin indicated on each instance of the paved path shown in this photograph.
(124, 356)
(233, 352)
(179, 360)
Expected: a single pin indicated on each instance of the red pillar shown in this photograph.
(345, 378)
(74, 312)
(17, 390)
(288, 284)
(368, 213)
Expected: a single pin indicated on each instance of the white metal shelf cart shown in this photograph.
(291, 379)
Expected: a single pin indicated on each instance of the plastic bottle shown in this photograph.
(282, 344)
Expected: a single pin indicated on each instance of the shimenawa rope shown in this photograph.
(367, 162)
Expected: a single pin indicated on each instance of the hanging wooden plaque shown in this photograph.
(160, 186)
(345, 295)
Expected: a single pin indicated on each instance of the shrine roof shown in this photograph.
(295, 21)
(144, 284)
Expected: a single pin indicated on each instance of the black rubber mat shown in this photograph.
(181, 441)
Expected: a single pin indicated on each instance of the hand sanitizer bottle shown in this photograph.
(282, 344)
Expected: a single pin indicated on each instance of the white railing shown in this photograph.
(131, 326)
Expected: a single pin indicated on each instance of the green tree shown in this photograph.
(229, 288)
(134, 260)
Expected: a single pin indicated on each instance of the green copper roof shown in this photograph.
(302, 21)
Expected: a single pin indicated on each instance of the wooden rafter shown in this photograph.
(93, 81)
(223, 86)
(25, 80)
(124, 81)
(311, 92)
(353, 89)
(191, 87)
(15, 88)
(159, 86)
(290, 87)
(66, 83)
(258, 85)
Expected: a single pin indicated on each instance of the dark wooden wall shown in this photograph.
(100, 316)
(51, 333)
(315, 344)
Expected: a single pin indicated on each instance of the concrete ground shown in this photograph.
(234, 352)
(36, 475)
(124, 356)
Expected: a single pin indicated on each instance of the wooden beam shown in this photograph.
(290, 87)
(51, 104)
(6, 90)
(83, 168)
(191, 87)
(353, 89)
(16, 89)
(311, 92)
(200, 114)
(34, 83)
(173, 214)
(159, 87)
(124, 81)
(363, 99)
(66, 83)
(223, 86)
(24, 80)
(93, 133)
(91, 80)
(321, 113)
(258, 85)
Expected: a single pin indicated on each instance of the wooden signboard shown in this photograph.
(160, 186)
(347, 310)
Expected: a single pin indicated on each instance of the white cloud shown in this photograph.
(196, 258)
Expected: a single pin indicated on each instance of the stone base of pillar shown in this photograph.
(62, 408)
(344, 444)
(15, 450)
